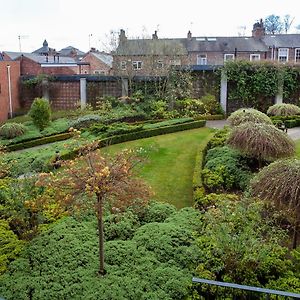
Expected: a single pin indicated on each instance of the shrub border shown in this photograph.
(117, 139)
(40, 141)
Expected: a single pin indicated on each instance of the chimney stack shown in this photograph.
(189, 35)
(258, 29)
(154, 35)
(122, 36)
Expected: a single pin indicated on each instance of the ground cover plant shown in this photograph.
(62, 261)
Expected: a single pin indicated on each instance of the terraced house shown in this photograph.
(154, 56)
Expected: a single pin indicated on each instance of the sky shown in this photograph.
(88, 23)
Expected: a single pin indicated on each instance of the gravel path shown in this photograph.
(294, 133)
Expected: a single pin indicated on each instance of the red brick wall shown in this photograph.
(30, 67)
(149, 64)
(4, 88)
(95, 65)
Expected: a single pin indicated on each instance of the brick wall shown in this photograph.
(149, 64)
(4, 88)
(96, 65)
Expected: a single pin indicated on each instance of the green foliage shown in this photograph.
(206, 105)
(244, 115)
(168, 123)
(12, 130)
(158, 212)
(219, 138)
(225, 170)
(62, 262)
(207, 201)
(261, 141)
(40, 112)
(115, 129)
(283, 109)
(159, 109)
(252, 83)
(10, 245)
(86, 121)
(238, 245)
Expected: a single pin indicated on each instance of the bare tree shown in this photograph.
(273, 24)
(287, 23)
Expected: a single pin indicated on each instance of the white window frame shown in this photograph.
(297, 50)
(253, 55)
(123, 65)
(227, 55)
(202, 59)
(280, 55)
(137, 65)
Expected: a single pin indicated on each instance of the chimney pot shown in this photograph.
(154, 35)
(189, 35)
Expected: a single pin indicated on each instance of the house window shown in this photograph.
(283, 54)
(99, 72)
(228, 57)
(159, 64)
(175, 62)
(297, 55)
(123, 65)
(137, 65)
(202, 59)
(254, 57)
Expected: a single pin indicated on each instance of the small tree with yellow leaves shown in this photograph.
(106, 180)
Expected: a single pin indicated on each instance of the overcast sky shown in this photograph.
(80, 23)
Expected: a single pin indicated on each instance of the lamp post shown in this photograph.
(9, 91)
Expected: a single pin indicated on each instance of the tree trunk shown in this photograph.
(295, 235)
(100, 234)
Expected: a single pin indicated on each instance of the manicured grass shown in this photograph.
(170, 163)
(298, 148)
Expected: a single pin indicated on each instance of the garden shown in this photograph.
(131, 199)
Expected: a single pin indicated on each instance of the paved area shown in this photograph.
(294, 133)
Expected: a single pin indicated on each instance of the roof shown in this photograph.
(225, 44)
(69, 50)
(282, 40)
(41, 59)
(104, 57)
(182, 46)
(152, 47)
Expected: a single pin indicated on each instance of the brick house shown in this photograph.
(99, 63)
(35, 64)
(9, 88)
(147, 56)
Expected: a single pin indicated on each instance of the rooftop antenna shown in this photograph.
(19, 38)
(90, 35)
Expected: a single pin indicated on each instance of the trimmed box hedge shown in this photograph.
(289, 121)
(40, 141)
(140, 135)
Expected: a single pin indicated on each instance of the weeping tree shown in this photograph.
(261, 141)
(283, 109)
(279, 183)
(244, 115)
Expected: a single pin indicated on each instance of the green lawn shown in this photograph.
(170, 163)
(298, 148)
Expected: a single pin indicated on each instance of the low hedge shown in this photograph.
(40, 141)
(139, 135)
(210, 117)
(289, 121)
